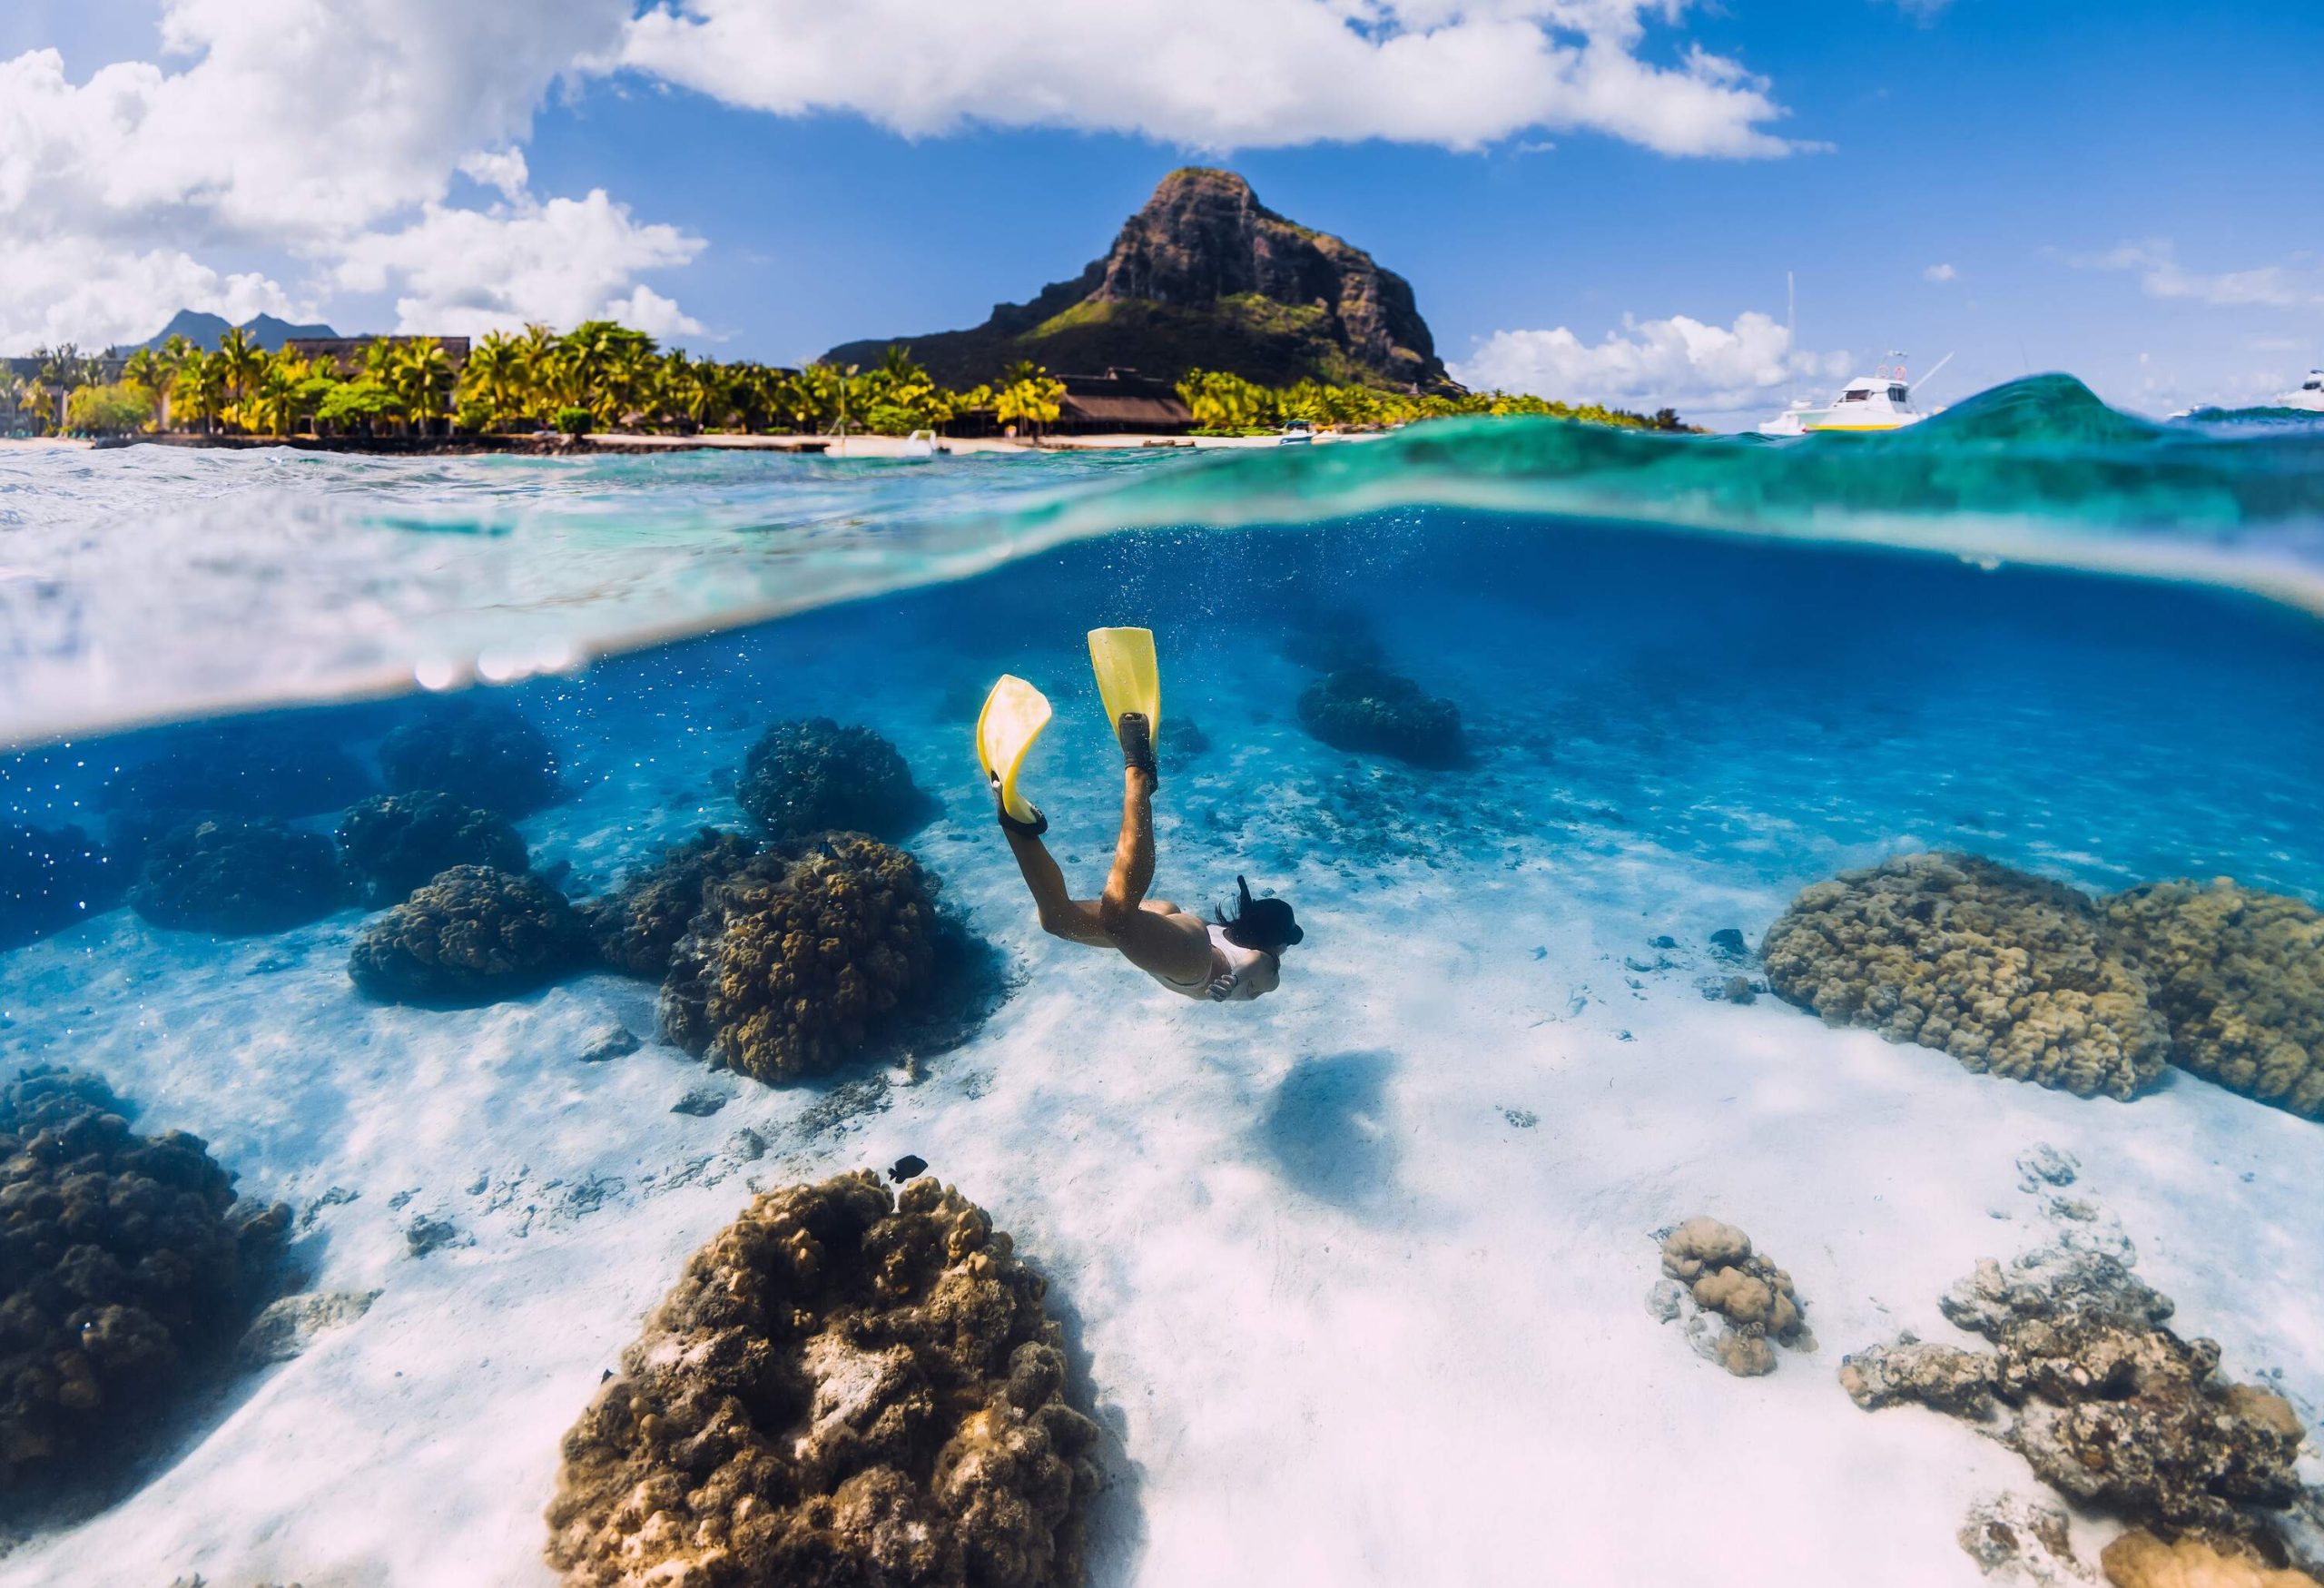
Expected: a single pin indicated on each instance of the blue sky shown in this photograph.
(2126, 192)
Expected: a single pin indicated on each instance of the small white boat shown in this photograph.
(2309, 396)
(1881, 401)
(1791, 421)
(1297, 433)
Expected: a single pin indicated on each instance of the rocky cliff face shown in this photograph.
(1205, 276)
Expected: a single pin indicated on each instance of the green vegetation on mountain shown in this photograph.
(1204, 277)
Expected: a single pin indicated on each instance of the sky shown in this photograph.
(1596, 200)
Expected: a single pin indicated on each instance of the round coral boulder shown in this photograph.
(395, 842)
(1371, 711)
(484, 756)
(2239, 975)
(636, 925)
(844, 1387)
(126, 1264)
(2010, 973)
(236, 879)
(815, 775)
(474, 935)
(795, 963)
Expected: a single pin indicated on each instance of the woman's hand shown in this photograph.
(1222, 986)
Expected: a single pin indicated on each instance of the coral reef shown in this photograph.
(847, 1386)
(238, 878)
(126, 1264)
(794, 963)
(1370, 710)
(814, 775)
(52, 878)
(2021, 1541)
(473, 935)
(2140, 1559)
(2010, 973)
(1712, 1273)
(2107, 1404)
(636, 925)
(483, 754)
(395, 842)
(2239, 976)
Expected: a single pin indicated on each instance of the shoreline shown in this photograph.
(618, 444)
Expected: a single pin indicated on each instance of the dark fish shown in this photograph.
(908, 1165)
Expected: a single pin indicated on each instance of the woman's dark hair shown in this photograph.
(1264, 924)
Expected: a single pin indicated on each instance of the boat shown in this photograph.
(2309, 396)
(1881, 401)
(1297, 433)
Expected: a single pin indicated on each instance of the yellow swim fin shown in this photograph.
(1128, 676)
(1013, 718)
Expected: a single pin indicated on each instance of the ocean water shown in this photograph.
(1354, 1276)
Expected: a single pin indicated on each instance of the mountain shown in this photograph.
(1204, 277)
(203, 330)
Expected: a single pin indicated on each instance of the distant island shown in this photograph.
(1204, 277)
(1210, 316)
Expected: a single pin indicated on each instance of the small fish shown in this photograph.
(908, 1165)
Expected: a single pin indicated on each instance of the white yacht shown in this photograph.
(2309, 396)
(1881, 401)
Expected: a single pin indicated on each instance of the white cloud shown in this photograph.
(1678, 362)
(1940, 272)
(329, 137)
(288, 129)
(504, 169)
(467, 272)
(69, 289)
(2297, 283)
(1218, 74)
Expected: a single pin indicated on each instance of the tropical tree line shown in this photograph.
(599, 375)
(602, 376)
(1225, 404)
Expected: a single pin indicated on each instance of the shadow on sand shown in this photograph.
(1325, 1128)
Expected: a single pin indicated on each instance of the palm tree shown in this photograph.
(419, 372)
(240, 359)
(489, 379)
(1028, 396)
(145, 368)
(198, 386)
(275, 395)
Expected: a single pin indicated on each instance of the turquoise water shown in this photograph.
(1692, 675)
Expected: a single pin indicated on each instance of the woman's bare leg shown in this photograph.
(1168, 943)
(1062, 915)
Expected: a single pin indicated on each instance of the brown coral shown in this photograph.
(795, 963)
(844, 1387)
(2108, 1406)
(471, 936)
(813, 775)
(2010, 973)
(125, 1262)
(1712, 1272)
(2239, 975)
(2140, 1560)
(636, 925)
